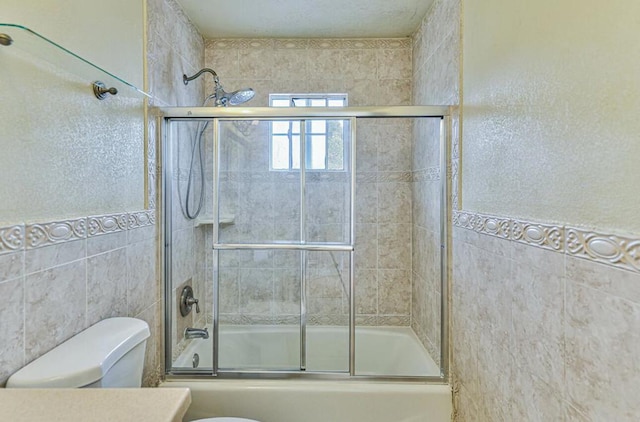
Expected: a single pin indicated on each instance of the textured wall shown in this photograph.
(60, 275)
(66, 154)
(372, 72)
(175, 48)
(550, 111)
(436, 52)
(546, 316)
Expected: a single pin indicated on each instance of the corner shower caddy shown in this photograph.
(100, 82)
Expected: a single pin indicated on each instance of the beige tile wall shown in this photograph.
(436, 65)
(61, 287)
(545, 319)
(542, 335)
(175, 48)
(371, 72)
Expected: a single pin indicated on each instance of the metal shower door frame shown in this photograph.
(216, 115)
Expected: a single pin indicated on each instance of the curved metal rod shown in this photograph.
(186, 78)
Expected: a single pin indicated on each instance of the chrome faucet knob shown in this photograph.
(193, 301)
(187, 301)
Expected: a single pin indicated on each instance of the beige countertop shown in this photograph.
(94, 405)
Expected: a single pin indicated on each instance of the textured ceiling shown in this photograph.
(306, 18)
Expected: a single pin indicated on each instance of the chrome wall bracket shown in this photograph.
(100, 90)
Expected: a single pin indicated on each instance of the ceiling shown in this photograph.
(306, 18)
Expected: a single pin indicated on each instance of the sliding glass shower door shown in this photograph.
(283, 244)
(283, 287)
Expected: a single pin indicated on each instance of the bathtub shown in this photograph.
(379, 350)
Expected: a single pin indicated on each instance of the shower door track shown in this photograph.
(168, 114)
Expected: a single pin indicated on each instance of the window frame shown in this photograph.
(306, 100)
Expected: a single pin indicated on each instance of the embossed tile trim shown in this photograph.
(104, 224)
(142, 219)
(56, 232)
(610, 249)
(542, 235)
(36, 235)
(311, 43)
(11, 238)
(605, 248)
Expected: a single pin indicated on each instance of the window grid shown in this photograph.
(285, 135)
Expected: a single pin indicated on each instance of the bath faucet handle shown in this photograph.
(187, 301)
(193, 301)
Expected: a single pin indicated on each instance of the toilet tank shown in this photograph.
(107, 354)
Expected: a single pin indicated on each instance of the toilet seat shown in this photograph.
(225, 420)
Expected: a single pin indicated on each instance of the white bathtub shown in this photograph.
(379, 350)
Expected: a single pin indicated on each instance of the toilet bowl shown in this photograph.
(109, 354)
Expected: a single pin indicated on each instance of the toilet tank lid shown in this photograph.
(84, 358)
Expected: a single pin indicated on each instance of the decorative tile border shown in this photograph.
(605, 248)
(37, 235)
(614, 250)
(105, 224)
(11, 238)
(311, 43)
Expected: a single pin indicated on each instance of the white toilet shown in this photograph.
(109, 354)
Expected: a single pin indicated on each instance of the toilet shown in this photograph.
(109, 354)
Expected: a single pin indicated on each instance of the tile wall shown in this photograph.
(544, 317)
(371, 72)
(175, 48)
(61, 277)
(546, 321)
(436, 65)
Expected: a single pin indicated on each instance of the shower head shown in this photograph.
(234, 98)
(221, 97)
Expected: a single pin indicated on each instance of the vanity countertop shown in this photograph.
(94, 405)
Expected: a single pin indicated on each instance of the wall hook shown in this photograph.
(100, 90)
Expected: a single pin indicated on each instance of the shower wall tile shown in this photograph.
(267, 208)
(395, 287)
(256, 290)
(394, 203)
(435, 69)
(12, 328)
(394, 246)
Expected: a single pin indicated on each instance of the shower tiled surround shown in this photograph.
(60, 277)
(436, 64)
(371, 72)
(174, 48)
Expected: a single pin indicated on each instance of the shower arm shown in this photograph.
(186, 79)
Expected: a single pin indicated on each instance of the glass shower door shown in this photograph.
(282, 246)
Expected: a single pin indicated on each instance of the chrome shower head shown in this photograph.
(221, 97)
(234, 98)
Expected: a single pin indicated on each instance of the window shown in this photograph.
(324, 139)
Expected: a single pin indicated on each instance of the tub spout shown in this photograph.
(190, 333)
